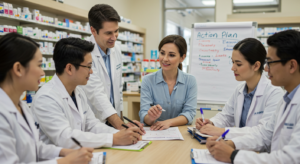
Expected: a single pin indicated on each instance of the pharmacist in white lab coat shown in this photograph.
(20, 70)
(253, 102)
(282, 131)
(61, 108)
(104, 89)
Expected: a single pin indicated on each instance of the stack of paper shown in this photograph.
(172, 133)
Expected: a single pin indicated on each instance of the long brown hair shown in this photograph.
(180, 43)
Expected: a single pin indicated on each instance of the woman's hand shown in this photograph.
(161, 125)
(154, 112)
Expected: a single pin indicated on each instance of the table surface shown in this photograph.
(125, 93)
(162, 152)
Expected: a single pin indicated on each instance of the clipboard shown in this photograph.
(201, 139)
(141, 149)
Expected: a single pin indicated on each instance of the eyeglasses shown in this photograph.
(89, 67)
(275, 61)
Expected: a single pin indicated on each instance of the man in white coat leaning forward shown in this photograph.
(282, 131)
(61, 108)
(104, 89)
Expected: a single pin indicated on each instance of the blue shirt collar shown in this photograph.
(103, 53)
(251, 94)
(289, 96)
(160, 78)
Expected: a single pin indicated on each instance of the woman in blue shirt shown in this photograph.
(169, 89)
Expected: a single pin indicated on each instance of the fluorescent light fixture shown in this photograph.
(208, 3)
(252, 1)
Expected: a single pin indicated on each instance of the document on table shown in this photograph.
(199, 133)
(98, 158)
(138, 146)
(172, 133)
(203, 156)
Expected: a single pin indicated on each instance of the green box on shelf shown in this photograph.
(151, 70)
(20, 30)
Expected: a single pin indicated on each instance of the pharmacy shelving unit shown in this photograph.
(268, 20)
(65, 11)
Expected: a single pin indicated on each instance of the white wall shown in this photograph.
(223, 8)
(290, 6)
(148, 14)
(122, 6)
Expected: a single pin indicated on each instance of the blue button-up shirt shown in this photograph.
(247, 103)
(182, 101)
(106, 58)
(289, 96)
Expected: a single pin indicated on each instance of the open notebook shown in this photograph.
(139, 146)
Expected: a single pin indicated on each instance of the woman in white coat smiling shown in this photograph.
(252, 102)
(21, 70)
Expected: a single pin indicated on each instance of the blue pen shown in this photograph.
(202, 114)
(223, 135)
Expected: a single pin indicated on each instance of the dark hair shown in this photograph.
(101, 13)
(180, 43)
(253, 51)
(70, 50)
(287, 44)
(15, 48)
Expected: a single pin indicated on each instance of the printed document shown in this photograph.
(172, 133)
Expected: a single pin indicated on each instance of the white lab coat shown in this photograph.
(98, 86)
(263, 105)
(282, 132)
(19, 143)
(60, 120)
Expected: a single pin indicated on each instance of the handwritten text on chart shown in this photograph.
(210, 35)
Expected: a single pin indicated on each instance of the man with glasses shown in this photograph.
(282, 131)
(61, 108)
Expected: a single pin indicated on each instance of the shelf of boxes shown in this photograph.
(10, 17)
(264, 33)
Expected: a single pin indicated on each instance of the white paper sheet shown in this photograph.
(137, 146)
(172, 133)
(203, 156)
(199, 133)
(97, 158)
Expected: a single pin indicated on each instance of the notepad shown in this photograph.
(203, 156)
(98, 158)
(199, 133)
(139, 146)
(172, 133)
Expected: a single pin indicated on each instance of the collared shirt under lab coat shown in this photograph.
(99, 86)
(262, 107)
(60, 120)
(282, 132)
(19, 141)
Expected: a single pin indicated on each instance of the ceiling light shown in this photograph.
(252, 1)
(208, 3)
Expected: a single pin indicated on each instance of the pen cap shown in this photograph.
(224, 134)
(201, 110)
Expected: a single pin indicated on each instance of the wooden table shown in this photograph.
(133, 99)
(159, 152)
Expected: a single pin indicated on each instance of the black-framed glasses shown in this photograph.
(89, 67)
(275, 61)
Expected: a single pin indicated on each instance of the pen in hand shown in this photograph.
(161, 109)
(131, 121)
(125, 126)
(77, 142)
(223, 135)
(202, 115)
